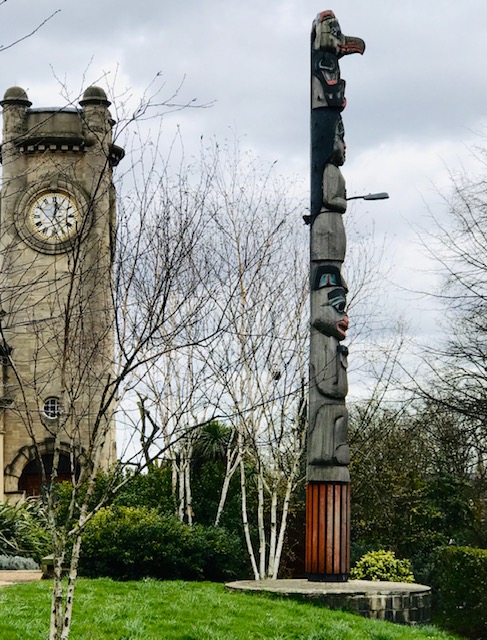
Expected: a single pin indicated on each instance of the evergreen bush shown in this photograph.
(151, 489)
(460, 590)
(382, 565)
(129, 543)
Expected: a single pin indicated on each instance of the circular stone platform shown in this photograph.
(393, 601)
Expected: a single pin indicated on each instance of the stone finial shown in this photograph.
(94, 96)
(16, 96)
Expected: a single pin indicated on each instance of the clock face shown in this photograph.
(54, 217)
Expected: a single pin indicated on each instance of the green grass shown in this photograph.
(107, 610)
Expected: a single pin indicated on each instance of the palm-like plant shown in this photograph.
(212, 441)
(23, 530)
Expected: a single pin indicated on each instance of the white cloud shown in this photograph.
(416, 99)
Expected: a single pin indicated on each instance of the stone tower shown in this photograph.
(57, 226)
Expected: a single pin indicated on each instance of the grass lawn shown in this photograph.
(152, 610)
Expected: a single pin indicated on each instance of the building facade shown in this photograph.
(57, 235)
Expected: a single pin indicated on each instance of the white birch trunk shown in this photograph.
(273, 534)
(233, 460)
(174, 476)
(261, 524)
(300, 443)
(181, 486)
(56, 622)
(282, 530)
(189, 495)
(73, 574)
(245, 521)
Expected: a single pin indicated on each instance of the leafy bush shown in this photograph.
(137, 542)
(460, 586)
(151, 489)
(23, 530)
(14, 563)
(382, 565)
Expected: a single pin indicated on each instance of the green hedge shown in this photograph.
(129, 543)
(461, 589)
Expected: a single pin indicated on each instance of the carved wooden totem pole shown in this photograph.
(328, 488)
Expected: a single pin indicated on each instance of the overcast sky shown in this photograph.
(416, 99)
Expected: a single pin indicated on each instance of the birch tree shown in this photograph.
(253, 375)
(100, 305)
(260, 361)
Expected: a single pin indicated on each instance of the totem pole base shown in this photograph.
(327, 531)
(399, 602)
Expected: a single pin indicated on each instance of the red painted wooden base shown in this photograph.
(327, 531)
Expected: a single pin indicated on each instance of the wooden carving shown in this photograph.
(328, 451)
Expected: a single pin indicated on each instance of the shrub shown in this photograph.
(137, 542)
(14, 563)
(152, 489)
(23, 530)
(223, 557)
(382, 565)
(461, 594)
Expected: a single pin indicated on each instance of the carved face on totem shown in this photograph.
(330, 291)
(328, 90)
(328, 36)
(327, 32)
(339, 147)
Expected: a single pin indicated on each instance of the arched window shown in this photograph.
(31, 479)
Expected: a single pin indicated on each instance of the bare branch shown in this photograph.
(39, 26)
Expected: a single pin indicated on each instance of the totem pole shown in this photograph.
(328, 455)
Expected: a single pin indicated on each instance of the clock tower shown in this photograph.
(57, 231)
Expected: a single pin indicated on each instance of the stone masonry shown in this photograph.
(56, 311)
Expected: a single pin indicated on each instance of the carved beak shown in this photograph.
(351, 45)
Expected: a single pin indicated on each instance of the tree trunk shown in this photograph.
(273, 534)
(182, 486)
(282, 529)
(245, 521)
(56, 623)
(233, 460)
(189, 496)
(261, 524)
(73, 575)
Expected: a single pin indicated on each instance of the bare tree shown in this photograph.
(453, 367)
(88, 304)
(189, 305)
(260, 360)
(253, 375)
